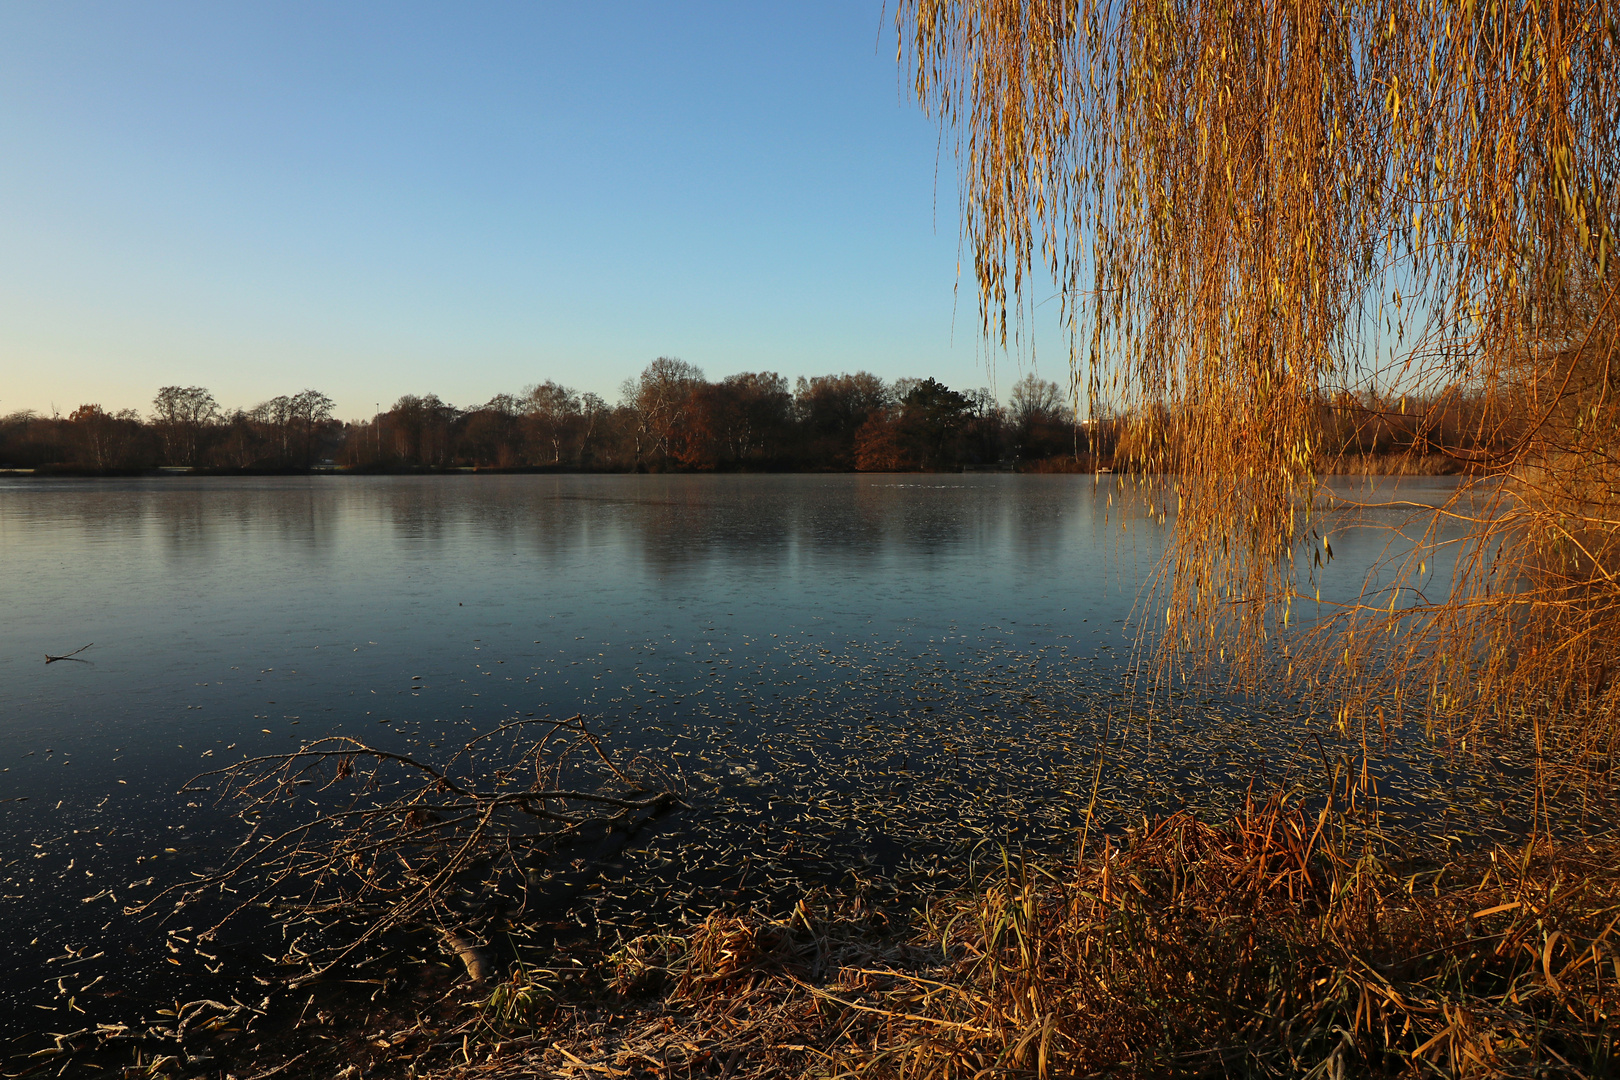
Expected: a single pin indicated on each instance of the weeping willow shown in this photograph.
(1255, 210)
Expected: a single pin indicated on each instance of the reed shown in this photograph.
(1266, 946)
(1279, 942)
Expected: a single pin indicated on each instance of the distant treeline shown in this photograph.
(669, 418)
(186, 428)
(1447, 430)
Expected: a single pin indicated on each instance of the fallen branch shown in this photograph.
(395, 843)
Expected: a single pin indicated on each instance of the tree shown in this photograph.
(830, 410)
(104, 440)
(420, 429)
(662, 399)
(932, 415)
(1034, 400)
(877, 444)
(1042, 422)
(311, 412)
(593, 411)
(241, 441)
(274, 418)
(1248, 208)
(491, 433)
(983, 439)
(182, 415)
(750, 416)
(554, 415)
(294, 424)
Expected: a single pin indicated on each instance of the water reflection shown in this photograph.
(181, 581)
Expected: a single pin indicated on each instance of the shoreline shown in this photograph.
(1274, 937)
(1391, 464)
(629, 984)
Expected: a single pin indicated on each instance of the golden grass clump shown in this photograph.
(1272, 944)
(1262, 948)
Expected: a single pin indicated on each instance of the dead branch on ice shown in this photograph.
(347, 842)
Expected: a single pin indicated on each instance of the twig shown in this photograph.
(889, 1012)
(283, 1067)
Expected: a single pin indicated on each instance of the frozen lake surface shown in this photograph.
(927, 659)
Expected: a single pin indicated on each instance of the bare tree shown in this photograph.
(1034, 399)
(1042, 419)
(182, 414)
(309, 412)
(275, 415)
(553, 413)
(662, 396)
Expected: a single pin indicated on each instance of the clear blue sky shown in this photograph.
(463, 198)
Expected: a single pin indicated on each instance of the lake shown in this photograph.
(928, 658)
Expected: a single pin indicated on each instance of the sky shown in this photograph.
(374, 199)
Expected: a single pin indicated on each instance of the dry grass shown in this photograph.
(1390, 465)
(1265, 946)
(1260, 947)
(1066, 464)
(737, 995)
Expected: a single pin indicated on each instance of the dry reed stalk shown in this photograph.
(742, 997)
(1268, 946)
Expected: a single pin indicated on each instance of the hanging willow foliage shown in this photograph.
(1259, 211)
